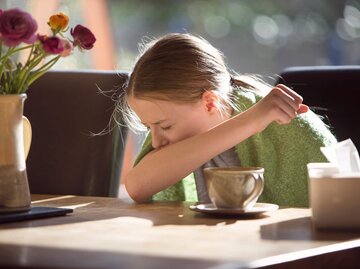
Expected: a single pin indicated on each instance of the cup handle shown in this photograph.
(258, 188)
(27, 133)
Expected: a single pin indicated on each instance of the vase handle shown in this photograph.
(27, 135)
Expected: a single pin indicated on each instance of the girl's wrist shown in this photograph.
(250, 122)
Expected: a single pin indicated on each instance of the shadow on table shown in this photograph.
(92, 209)
(303, 229)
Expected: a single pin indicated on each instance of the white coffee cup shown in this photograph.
(234, 187)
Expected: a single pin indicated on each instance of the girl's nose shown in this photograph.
(158, 140)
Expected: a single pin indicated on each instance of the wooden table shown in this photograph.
(111, 233)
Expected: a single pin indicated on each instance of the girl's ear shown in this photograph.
(209, 99)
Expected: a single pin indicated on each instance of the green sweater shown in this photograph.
(283, 150)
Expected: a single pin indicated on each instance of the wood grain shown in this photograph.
(112, 233)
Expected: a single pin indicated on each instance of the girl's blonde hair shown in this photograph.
(179, 68)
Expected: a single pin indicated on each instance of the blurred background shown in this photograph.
(257, 36)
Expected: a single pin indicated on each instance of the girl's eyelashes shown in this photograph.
(162, 128)
(166, 128)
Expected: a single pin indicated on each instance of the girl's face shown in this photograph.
(171, 122)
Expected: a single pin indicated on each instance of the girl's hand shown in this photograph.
(281, 105)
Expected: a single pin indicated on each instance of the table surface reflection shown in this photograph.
(113, 233)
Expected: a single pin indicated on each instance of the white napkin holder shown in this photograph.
(334, 188)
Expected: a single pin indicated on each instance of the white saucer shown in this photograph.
(258, 208)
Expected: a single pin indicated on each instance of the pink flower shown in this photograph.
(68, 47)
(83, 37)
(51, 45)
(17, 26)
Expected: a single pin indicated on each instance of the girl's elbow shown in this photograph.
(139, 198)
(136, 193)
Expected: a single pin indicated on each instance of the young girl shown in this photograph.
(199, 115)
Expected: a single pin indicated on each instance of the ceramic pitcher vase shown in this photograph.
(14, 187)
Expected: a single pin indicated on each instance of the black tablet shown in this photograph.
(34, 213)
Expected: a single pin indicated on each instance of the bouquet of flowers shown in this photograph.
(18, 27)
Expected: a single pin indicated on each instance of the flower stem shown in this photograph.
(25, 72)
(42, 70)
(3, 61)
(1, 67)
(12, 50)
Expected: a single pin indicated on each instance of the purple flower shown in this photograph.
(17, 26)
(51, 45)
(83, 37)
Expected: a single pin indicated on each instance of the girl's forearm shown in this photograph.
(163, 168)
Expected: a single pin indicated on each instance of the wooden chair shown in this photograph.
(332, 92)
(65, 108)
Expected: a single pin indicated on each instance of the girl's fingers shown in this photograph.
(280, 94)
(283, 95)
(290, 92)
(303, 109)
(287, 110)
(289, 104)
(285, 104)
(287, 115)
(294, 99)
